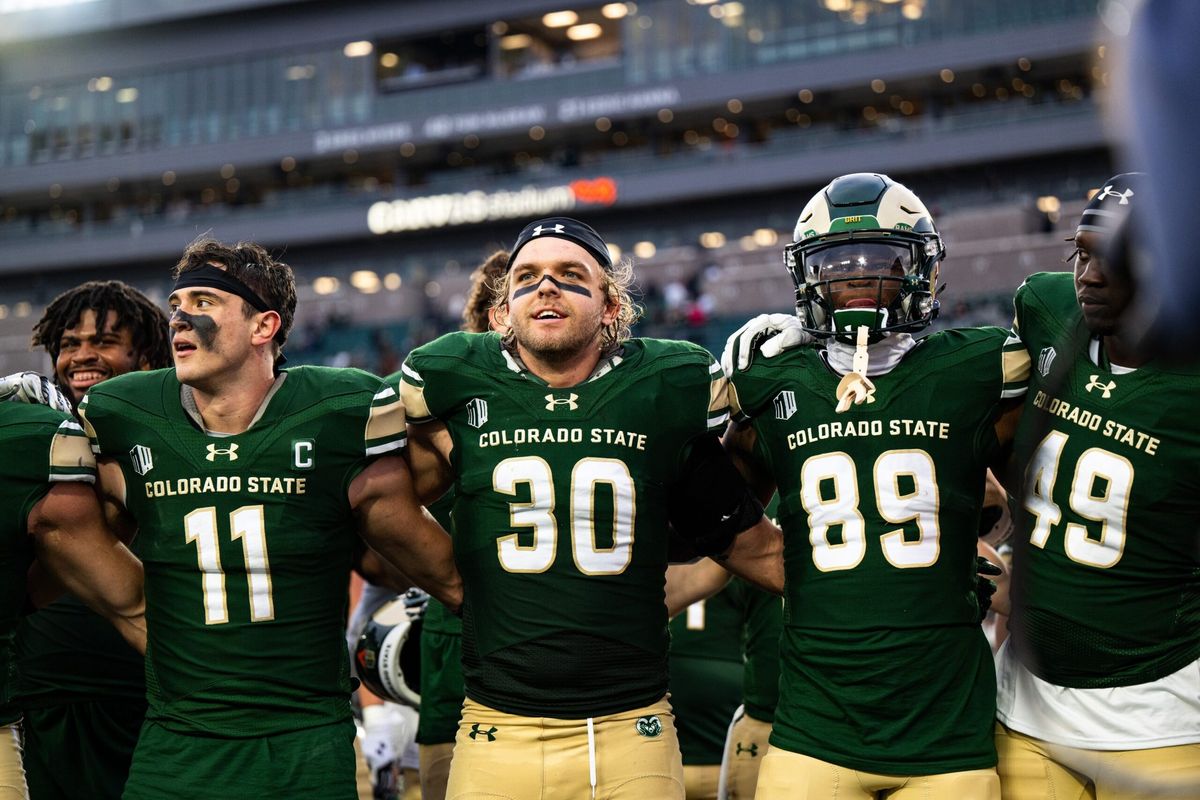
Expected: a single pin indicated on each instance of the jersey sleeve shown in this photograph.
(71, 457)
(412, 391)
(1014, 367)
(719, 409)
(385, 430)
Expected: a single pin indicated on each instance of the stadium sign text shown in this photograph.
(472, 208)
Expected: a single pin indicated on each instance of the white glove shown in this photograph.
(30, 387)
(387, 731)
(780, 331)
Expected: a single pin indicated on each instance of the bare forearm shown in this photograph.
(757, 556)
(690, 583)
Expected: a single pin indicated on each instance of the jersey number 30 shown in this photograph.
(539, 514)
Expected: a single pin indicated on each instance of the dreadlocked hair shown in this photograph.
(481, 298)
(617, 287)
(146, 322)
(250, 263)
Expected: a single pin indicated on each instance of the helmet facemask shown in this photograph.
(880, 279)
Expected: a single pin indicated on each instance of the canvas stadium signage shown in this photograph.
(472, 208)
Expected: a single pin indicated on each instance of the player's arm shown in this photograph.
(691, 583)
(716, 512)
(739, 442)
(395, 525)
(378, 570)
(428, 454)
(76, 548)
(1006, 432)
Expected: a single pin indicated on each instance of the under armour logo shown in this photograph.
(490, 733)
(569, 402)
(1106, 388)
(1108, 191)
(752, 750)
(540, 229)
(214, 451)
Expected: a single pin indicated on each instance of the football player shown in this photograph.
(246, 483)
(879, 446)
(52, 513)
(1100, 679)
(82, 688)
(567, 442)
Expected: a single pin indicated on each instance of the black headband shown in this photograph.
(216, 278)
(1109, 206)
(572, 230)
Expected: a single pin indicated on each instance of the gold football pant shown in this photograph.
(12, 776)
(435, 769)
(1031, 769)
(791, 776)
(633, 755)
(700, 781)
(745, 747)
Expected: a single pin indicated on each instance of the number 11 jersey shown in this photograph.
(247, 542)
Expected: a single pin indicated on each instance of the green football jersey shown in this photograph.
(247, 543)
(560, 520)
(884, 667)
(38, 447)
(761, 632)
(1107, 589)
(706, 671)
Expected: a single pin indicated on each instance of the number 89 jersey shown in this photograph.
(247, 543)
(1107, 587)
(559, 521)
(884, 667)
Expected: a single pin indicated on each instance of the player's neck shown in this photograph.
(1121, 352)
(231, 403)
(562, 373)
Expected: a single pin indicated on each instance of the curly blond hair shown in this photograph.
(617, 287)
(480, 299)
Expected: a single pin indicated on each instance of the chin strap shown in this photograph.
(856, 388)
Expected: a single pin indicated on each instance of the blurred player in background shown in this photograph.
(1099, 684)
(82, 688)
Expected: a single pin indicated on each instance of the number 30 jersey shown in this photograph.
(884, 666)
(559, 519)
(247, 543)
(1106, 588)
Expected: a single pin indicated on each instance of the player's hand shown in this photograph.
(770, 334)
(381, 751)
(30, 387)
(985, 587)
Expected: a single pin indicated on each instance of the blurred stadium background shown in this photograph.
(385, 148)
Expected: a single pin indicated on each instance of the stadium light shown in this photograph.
(365, 280)
(358, 49)
(712, 239)
(326, 284)
(614, 10)
(582, 33)
(560, 19)
(645, 250)
(516, 41)
(127, 95)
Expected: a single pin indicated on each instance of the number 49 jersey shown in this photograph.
(247, 543)
(560, 520)
(884, 667)
(1107, 588)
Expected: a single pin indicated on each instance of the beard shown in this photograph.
(581, 332)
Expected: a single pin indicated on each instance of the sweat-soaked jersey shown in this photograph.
(560, 515)
(884, 667)
(247, 542)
